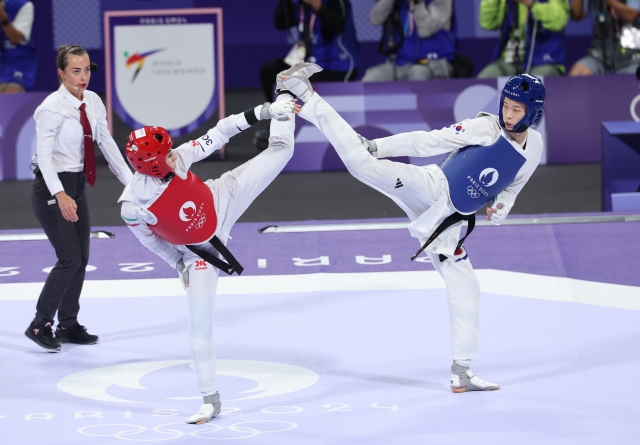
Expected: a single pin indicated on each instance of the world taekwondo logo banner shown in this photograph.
(164, 68)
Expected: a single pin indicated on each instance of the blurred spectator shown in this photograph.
(17, 52)
(531, 40)
(327, 36)
(418, 34)
(615, 47)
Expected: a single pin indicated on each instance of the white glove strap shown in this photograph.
(264, 111)
(371, 146)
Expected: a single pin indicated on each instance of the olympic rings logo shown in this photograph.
(242, 430)
(472, 192)
(201, 221)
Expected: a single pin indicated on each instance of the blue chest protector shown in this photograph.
(17, 62)
(476, 174)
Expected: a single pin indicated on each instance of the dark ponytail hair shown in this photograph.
(63, 51)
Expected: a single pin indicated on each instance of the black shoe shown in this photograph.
(76, 334)
(42, 335)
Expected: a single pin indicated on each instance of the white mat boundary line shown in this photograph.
(492, 281)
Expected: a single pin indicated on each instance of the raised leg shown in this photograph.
(413, 188)
(237, 189)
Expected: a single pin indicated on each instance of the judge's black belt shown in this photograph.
(232, 265)
(444, 225)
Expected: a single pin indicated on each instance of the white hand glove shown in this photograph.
(500, 215)
(184, 274)
(278, 110)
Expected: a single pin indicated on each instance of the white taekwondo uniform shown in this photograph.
(232, 193)
(424, 195)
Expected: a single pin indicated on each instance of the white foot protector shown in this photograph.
(299, 85)
(304, 69)
(207, 411)
(463, 380)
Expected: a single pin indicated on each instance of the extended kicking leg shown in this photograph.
(418, 189)
(238, 188)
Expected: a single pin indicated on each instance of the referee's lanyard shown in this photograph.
(312, 22)
(520, 35)
(409, 23)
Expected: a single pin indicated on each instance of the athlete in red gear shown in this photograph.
(187, 222)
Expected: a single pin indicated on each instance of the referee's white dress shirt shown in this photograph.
(60, 137)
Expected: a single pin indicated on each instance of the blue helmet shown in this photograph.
(528, 90)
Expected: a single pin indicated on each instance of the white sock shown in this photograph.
(464, 362)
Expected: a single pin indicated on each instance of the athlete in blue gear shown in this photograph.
(492, 158)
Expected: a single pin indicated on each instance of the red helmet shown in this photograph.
(147, 151)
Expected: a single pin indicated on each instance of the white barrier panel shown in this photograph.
(164, 67)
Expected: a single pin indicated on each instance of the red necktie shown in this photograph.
(89, 154)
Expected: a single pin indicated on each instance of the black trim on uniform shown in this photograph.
(444, 225)
(285, 91)
(250, 116)
(229, 268)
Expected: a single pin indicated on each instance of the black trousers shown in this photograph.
(270, 69)
(61, 291)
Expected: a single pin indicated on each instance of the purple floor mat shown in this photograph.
(357, 366)
(605, 252)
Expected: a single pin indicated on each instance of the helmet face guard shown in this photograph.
(529, 91)
(147, 150)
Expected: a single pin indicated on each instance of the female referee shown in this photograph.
(67, 123)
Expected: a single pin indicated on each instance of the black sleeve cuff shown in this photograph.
(250, 116)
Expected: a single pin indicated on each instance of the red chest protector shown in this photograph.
(185, 212)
